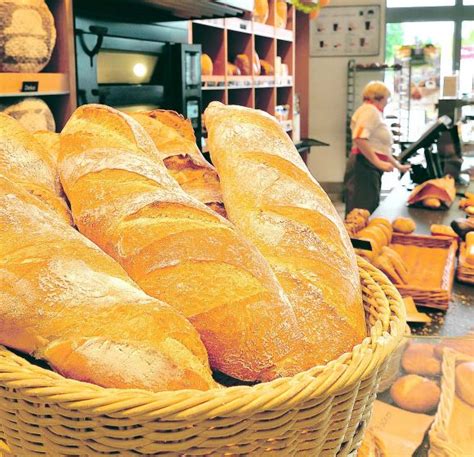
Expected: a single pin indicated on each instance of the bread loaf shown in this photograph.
(65, 301)
(176, 144)
(465, 382)
(415, 393)
(273, 199)
(175, 247)
(32, 113)
(25, 161)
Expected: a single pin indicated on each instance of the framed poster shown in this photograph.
(346, 31)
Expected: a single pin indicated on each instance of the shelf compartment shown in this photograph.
(265, 99)
(212, 42)
(48, 84)
(212, 96)
(243, 97)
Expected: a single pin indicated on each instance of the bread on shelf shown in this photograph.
(176, 144)
(174, 247)
(276, 203)
(32, 113)
(65, 301)
(25, 161)
(27, 36)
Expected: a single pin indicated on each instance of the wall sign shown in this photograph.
(346, 31)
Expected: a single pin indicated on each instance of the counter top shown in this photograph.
(459, 318)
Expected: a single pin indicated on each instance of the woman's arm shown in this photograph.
(367, 151)
(401, 168)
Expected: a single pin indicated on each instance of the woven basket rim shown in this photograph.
(322, 380)
(439, 436)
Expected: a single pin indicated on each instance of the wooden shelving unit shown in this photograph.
(57, 81)
(223, 39)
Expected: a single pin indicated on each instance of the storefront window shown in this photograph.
(414, 3)
(426, 76)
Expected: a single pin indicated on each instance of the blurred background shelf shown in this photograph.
(276, 43)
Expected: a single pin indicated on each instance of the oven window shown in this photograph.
(122, 67)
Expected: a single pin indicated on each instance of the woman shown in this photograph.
(371, 153)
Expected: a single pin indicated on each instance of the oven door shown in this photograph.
(125, 73)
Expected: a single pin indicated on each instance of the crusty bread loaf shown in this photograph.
(271, 196)
(25, 161)
(50, 141)
(65, 301)
(174, 138)
(175, 247)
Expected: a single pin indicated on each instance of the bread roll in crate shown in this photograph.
(322, 410)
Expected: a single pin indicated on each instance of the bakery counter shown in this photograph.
(459, 318)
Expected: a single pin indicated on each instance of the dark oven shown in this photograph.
(135, 67)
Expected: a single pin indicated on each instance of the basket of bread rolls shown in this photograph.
(185, 308)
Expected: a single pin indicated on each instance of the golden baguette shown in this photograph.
(175, 247)
(65, 301)
(271, 196)
(175, 141)
(25, 161)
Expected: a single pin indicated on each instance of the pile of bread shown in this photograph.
(378, 232)
(417, 390)
(118, 267)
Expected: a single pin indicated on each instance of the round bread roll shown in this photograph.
(404, 225)
(33, 114)
(420, 359)
(415, 393)
(381, 221)
(207, 67)
(465, 382)
(431, 203)
(27, 35)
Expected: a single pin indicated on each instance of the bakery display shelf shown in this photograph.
(29, 84)
(431, 262)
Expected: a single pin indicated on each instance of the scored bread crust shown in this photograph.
(174, 139)
(175, 247)
(65, 301)
(25, 161)
(273, 199)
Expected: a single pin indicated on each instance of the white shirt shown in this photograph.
(368, 123)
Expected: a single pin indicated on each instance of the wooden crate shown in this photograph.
(431, 262)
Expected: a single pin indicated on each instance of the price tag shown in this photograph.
(361, 244)
(29, 86)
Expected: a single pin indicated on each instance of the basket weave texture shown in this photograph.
(441, 444)
(320, 412)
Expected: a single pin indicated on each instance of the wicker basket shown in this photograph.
(321, 412)
(431, 297)
(441, 445)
